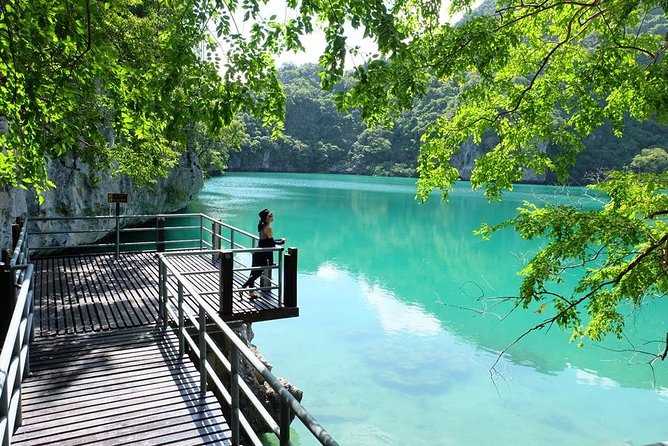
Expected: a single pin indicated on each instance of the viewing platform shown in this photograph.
(130, 340)
(115, 283)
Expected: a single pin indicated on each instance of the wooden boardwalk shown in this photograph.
(103, 372)
(88, 293)
(126, 386)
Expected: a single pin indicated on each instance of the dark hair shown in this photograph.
(264, 215)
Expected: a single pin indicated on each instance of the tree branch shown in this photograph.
(639, 259)
(89, 40)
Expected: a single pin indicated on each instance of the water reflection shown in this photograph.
(591, 378)
(396, 316)
(420, 267)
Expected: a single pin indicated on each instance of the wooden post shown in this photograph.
(284, 422)
(118, 229)
(290, 278)
(7, 291)
(225, 276)
(16, 232)
(160, 234)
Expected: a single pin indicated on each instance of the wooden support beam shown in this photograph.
(290, 278)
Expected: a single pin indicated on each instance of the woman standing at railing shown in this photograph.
(265, 258)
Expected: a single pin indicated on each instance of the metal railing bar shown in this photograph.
(3, 429)
(225, 225)
(77, 231)
(149, 229)
(264, 413)
(205, 309)
(228, 399)
(255, 268)
(112, 217)
(211, 293)
(194, 252)
(105, 245)
(21, 247)
(13, 356)
(152, 228)
(15, 322)
(173, 242)
(260, 288)
(202, 271)
(89, 217)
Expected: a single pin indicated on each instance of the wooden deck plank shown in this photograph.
(110, 283)
(92, 293)
(94, 421)
(116, 300)
(89, 318)
(141, 295)
(52, 326)
(72, 307)
(85, 281)
(40, 283)
(114, 393)
(96, 317)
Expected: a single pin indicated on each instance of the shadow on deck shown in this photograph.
(85, 293)
(121, 387)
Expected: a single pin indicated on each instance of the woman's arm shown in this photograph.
(270, 236)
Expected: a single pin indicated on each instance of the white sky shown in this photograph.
(314, 44)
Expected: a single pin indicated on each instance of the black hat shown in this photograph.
(264, 214)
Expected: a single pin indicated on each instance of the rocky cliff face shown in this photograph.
(79, 193)
(464, 161)
(270, 159)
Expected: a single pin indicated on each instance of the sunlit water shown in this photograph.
(399, 326)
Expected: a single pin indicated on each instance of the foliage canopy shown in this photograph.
(542, 76)
(120, 84)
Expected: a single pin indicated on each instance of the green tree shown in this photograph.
(539, 76)
(650, 161)
(214, 153)
(118, 84)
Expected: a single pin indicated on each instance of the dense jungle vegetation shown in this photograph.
(319, 138)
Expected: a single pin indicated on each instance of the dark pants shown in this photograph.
(259, 259)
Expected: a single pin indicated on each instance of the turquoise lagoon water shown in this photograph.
(400, 323)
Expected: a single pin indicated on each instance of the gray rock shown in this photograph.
(81, 192)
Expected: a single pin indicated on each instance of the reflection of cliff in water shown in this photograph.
(426, 256)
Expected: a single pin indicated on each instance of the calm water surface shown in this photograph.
(399, 324)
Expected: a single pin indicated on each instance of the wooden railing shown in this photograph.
(16, 289)
(237, 352)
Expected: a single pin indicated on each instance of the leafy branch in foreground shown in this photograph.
(622, 248)
(542, 76)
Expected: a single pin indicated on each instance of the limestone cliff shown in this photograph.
(79, 193)
(275, 158)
